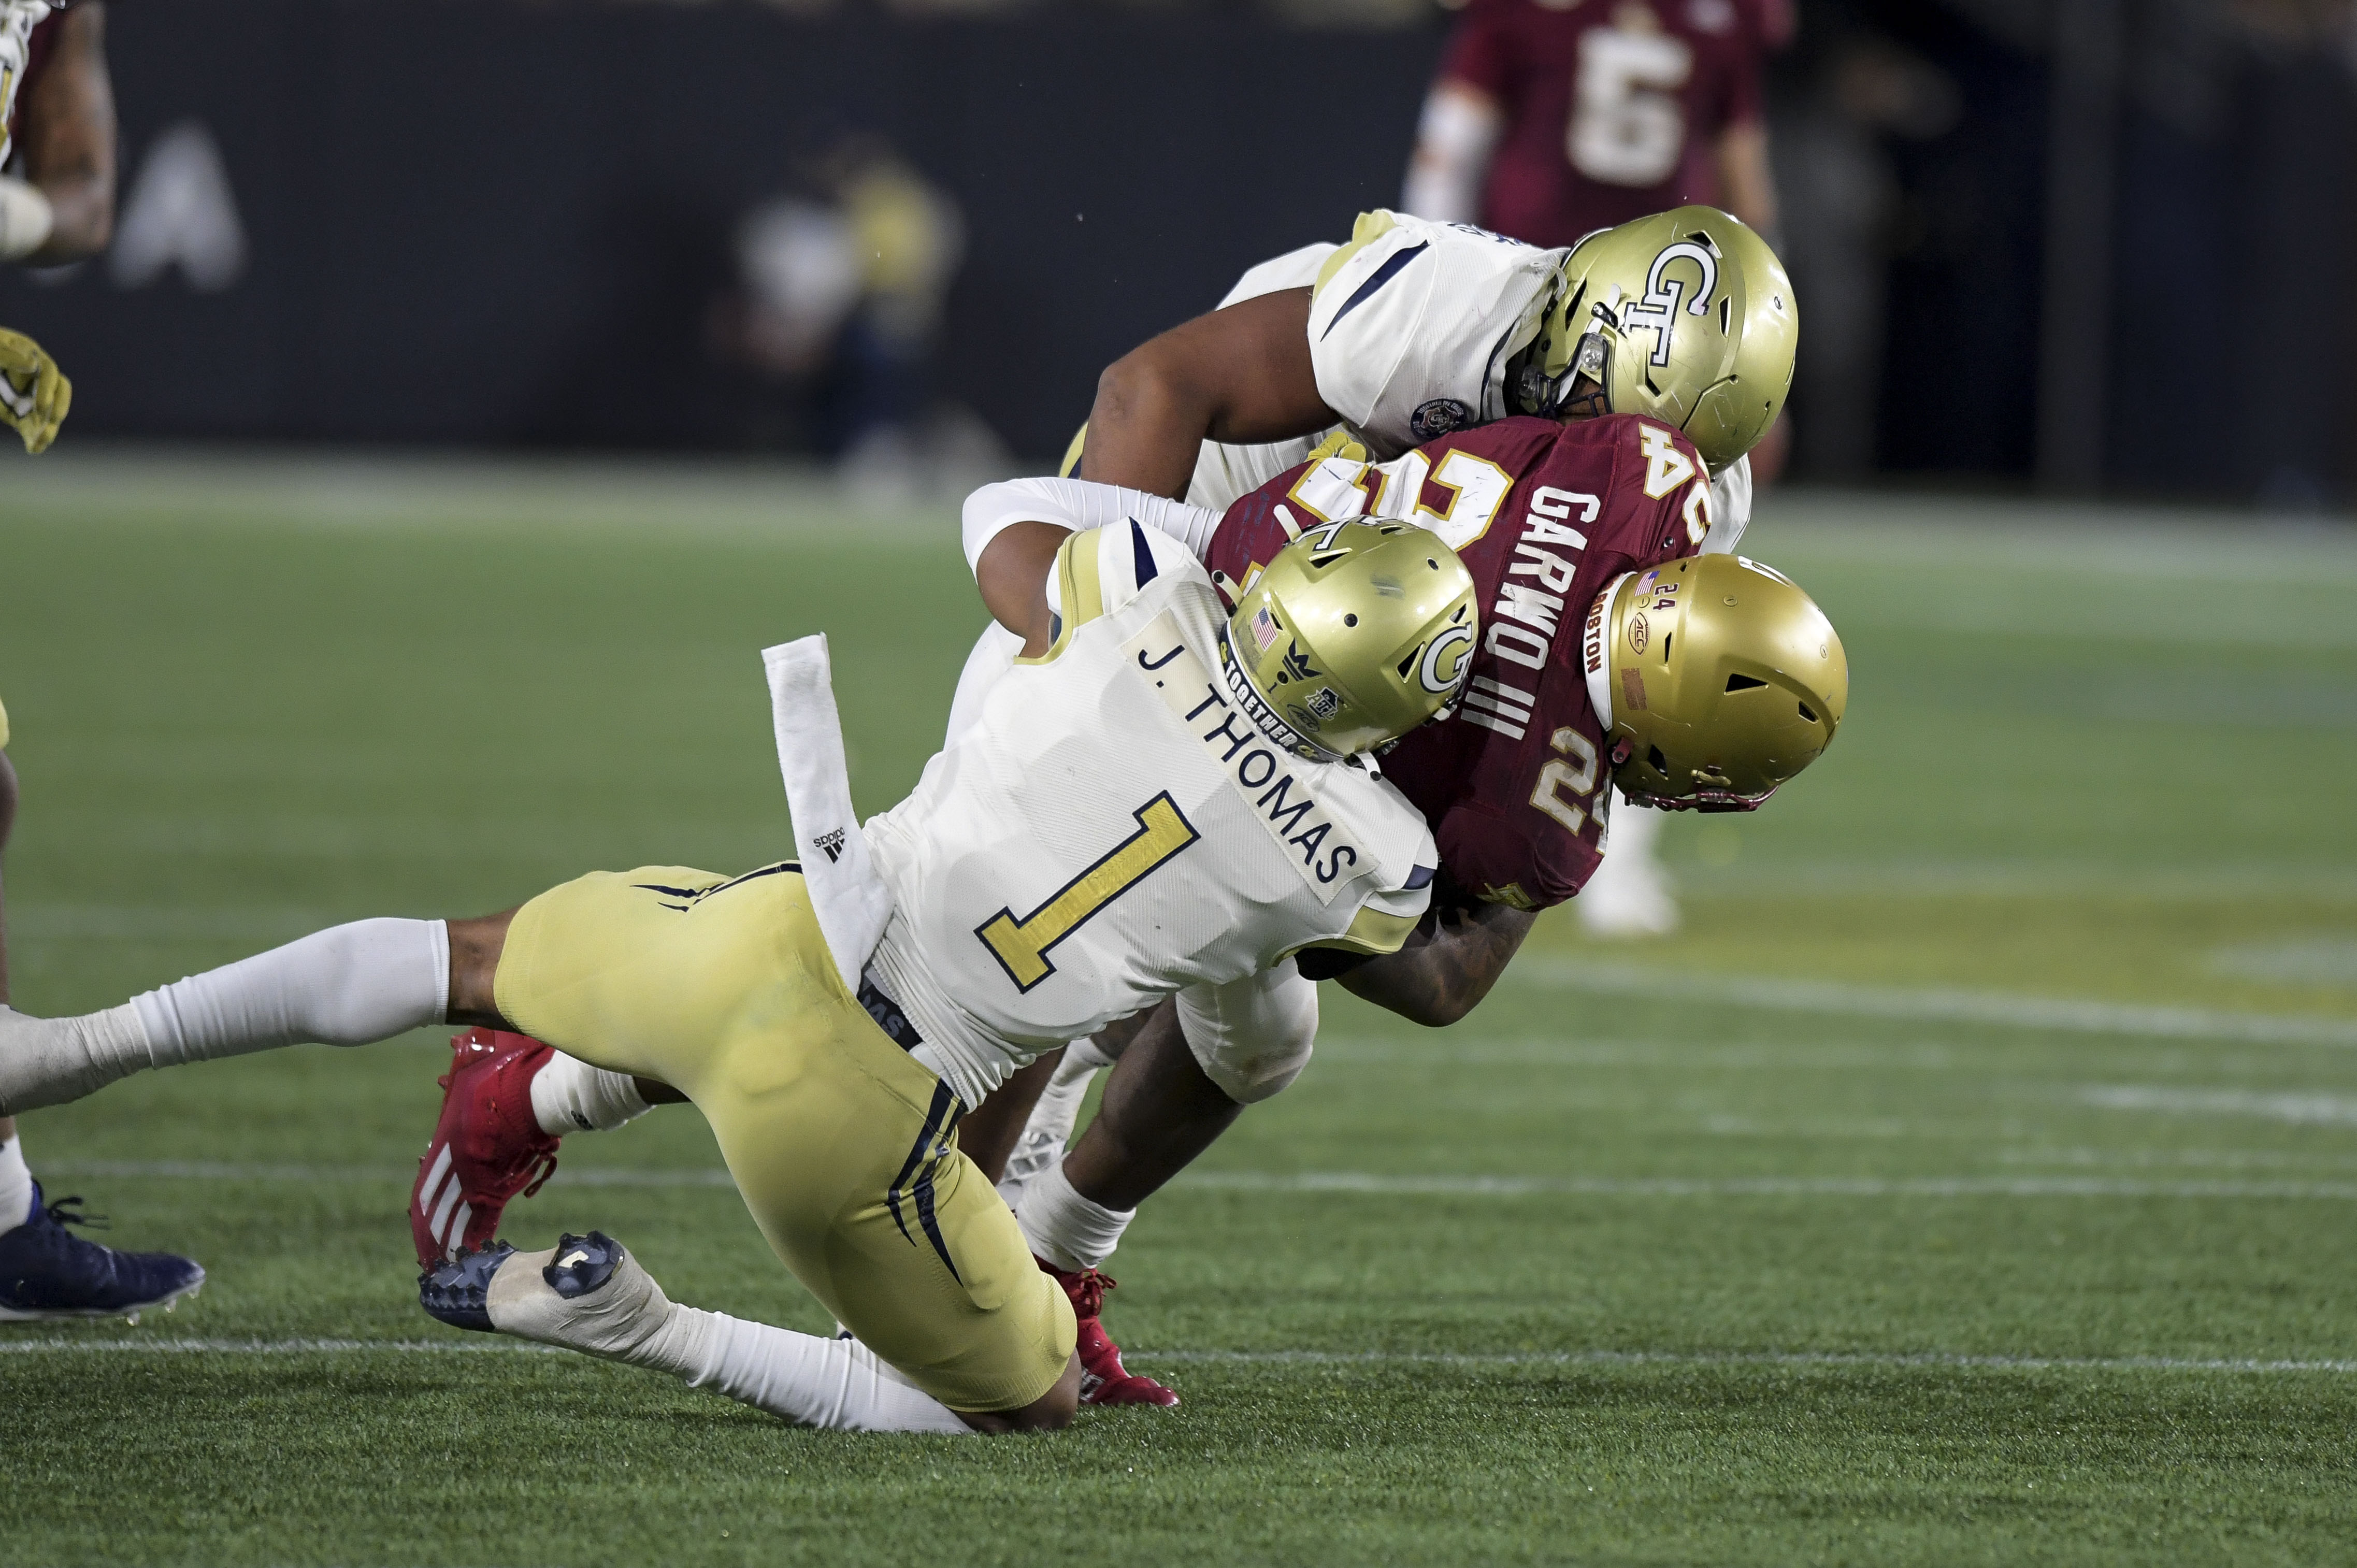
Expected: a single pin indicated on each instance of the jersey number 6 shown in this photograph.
(1021, 946)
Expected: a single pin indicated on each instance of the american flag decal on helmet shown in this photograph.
(1264, 628)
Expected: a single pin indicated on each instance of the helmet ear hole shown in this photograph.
(1661, 764)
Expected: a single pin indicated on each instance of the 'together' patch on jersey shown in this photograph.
(1267, 779)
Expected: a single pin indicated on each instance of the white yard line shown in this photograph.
(9, 1345)
(1934, 1003)
(2300, 1109)
(1449, 1186)
(1797, 1360)
(213, 1170)
(1409, 1185)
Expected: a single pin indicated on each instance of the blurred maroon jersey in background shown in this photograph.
(1612, 108)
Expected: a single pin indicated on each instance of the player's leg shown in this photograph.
(588, 1294)
(46, 1271)
(1629, 894)
(1180, 1082)
(349, 986)
(507, 1101)
(842, 1144)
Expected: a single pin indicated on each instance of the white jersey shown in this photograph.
(18, 20)
(1412, 326)
(1113, 829)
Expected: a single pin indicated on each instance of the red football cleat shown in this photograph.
(488, 1147)
(1104, 1380)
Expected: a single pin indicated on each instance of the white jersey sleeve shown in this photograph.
(1294, 269)
(1412, 322)
(1730, 506)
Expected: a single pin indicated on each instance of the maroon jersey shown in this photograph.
(1611, 106)
(1544, 516)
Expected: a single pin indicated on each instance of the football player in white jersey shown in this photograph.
(1161, 797)
(1414, 328)
(1449, 311)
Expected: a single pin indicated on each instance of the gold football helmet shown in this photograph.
(1356, 633)
(1685, 317)
(1715, 679)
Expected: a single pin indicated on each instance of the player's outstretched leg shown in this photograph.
(349, 986)
(588, 1294)
(506, 1101)
(47, 1270)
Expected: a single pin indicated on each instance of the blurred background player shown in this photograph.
(57, 205)
(1549, 120)
(56, 132)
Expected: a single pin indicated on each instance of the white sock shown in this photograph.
(1050, 1130)
(1066, 1229)
(835, 1384)
(570, 1096)
(15, 1185)
(346, 986)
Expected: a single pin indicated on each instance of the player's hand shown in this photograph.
(34, 393)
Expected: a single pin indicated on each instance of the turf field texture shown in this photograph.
(1973, 1180)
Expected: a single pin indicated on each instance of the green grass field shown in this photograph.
(1973, 1180)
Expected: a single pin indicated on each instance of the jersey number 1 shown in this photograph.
(1021, 946)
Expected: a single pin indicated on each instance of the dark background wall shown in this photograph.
(501, 224)
(504, 222)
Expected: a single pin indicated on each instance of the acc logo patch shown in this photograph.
(1637, 632)
(1438, 417)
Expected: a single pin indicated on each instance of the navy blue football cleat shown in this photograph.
(459, 1292)
(48, 1271)
(582, 1264)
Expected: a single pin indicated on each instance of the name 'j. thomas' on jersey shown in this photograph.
(1543, 515)
(1114, 829)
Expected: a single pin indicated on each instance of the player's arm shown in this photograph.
(1745, 177)
(1013, 572)
(1241, 374)
(69, 139)
(1441, 973)
(1454, 138)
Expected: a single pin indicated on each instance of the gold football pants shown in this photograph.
(844, 1146)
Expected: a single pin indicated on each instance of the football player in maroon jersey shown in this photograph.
(1549, 121)
(58, 108)
(1682, 322)
(1516, 786)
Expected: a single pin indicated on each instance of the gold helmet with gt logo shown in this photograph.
(1685, 317)
(1354, 634)
(1716, 679)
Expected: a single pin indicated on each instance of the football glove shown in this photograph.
(34, 393)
